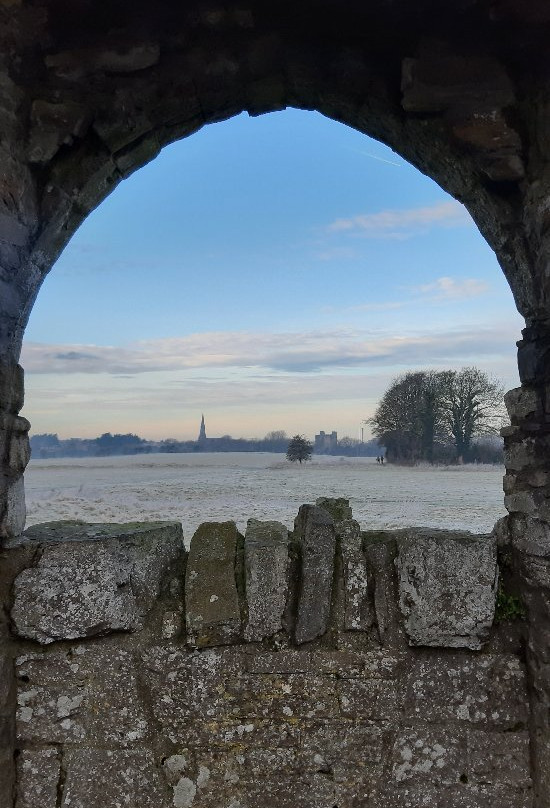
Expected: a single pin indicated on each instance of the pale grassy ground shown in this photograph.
(196, 488)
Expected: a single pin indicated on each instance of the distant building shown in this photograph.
(202, 432)
(326, 444)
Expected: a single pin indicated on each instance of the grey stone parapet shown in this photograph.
(319, 667)
(438, 587)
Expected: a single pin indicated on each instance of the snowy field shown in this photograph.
(197, 488)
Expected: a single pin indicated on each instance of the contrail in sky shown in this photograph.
(380, 159)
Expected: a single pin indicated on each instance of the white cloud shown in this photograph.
(400, 224)
(446, 288)
(295, 352)
(441, 290)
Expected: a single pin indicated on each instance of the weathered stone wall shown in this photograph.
(14, 450)
(460, 89)
(526, 530)
(326, 667)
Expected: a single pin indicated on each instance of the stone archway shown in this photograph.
(87, 96)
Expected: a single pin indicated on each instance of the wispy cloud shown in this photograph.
(402, 224)
(439, 291)
(295, 352)
(446, 288)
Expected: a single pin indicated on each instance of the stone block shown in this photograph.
(487, 131)
(340, 743)
(287, 660)
(213, 613)
(188, 687)
(352, 754)
(315, 529)
(359, 612)
(86, 695)
(372, 699)
(12, 230)
(121, 58)
(482, 690)
(380, 554)
(283, 697)
(112, 777)
(337, 507)
(266, 569)
(8, 776)
(437, 82)
(377, 664)
(531, 536)
(429, 755)
(38, 776)
(91, 580)
(447, 587)
(12, 388)
(499, 758)
(254, 777)
(454, 796)
(7, 681)
(522, 454)
(16, 511)
(260, 777)
(522, 402)
(239, 734)
(54, 125)
(502, 166)
(19, 449)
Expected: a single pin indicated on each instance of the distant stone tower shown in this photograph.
(202, 432)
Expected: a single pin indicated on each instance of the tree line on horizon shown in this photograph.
(441, 416)
(49, 445)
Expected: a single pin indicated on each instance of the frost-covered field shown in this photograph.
(196, 488)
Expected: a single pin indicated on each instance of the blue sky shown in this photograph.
(273, 273)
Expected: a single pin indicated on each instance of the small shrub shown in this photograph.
(508, 606)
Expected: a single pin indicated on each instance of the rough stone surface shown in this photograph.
(359, 612)
(12, 389)
(112, 777)
(338, 507)
(380, 552)
(90, 580)
(16, 511)
(38, 775)
(149, 719)
(266, 567)
(7, 727)
(212, 601)
(315, 529)
(458, 572)
(477, 690)
(86, 695)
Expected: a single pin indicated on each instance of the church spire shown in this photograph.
(202, 432)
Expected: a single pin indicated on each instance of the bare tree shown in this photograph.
(424, 413)
(276, 434)
(408, 421)
(473, 406)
